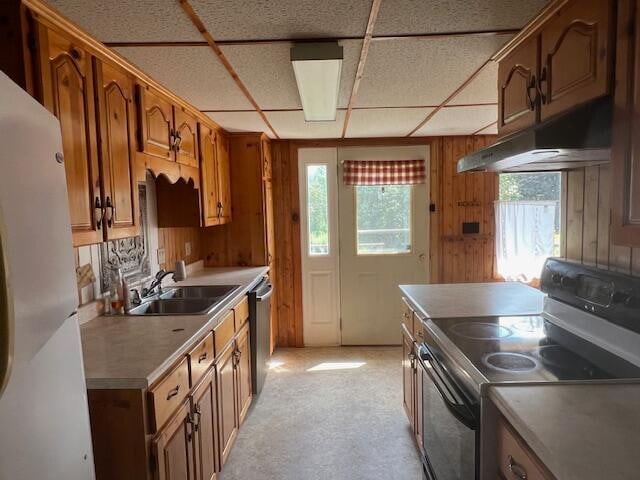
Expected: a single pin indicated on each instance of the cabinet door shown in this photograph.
(155, 115)
(418, 419)
(576, 53)
(173, 447)
(224, 177)
(186, 138)
(227, 414)
(268, 201)
(408, 360)
(243, 372)
(116, 132)
(517, 93)
(206, 428)
(67, 89)
(209, 177)
(625, 152)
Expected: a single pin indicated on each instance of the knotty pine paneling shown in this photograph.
(461, 198)
(174, 240)
(587, 222)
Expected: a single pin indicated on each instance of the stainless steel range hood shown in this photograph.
(579, 138)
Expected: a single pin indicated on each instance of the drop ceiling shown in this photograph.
(420, 54)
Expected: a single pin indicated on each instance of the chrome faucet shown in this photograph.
(157, 282)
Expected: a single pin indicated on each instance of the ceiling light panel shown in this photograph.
(194, 73)
(385, 122)
(292, 125)
(266, 71)
(283, 19)
(406, 17)
(240, 121)
(482, 89)
(421, 72)
(459, 121)
(130, 21)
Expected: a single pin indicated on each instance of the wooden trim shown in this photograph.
(477, 132)
(361, 142)
(399, 107)
(195, 19)
(51, 18)
(450, 97)
(267, 41)
(366, 43)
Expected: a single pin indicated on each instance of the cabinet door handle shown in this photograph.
(196, 417)
(173, 392)
(518, 471)
(219, 206)
(109, 211)
(533, 85)
(190, 426)
(202, 357)
(98, 213)
(543, 81)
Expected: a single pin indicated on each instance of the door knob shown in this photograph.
(422, 257)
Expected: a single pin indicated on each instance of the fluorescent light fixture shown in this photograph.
(317, 69)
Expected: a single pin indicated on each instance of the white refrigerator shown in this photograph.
(44, 418)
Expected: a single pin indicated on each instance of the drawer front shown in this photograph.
(515, 459)
(241, 311)
(167, 395)
(418, 334)
(407, 315)
(224, 332)
(201, 358)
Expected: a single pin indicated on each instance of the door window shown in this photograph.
(383, 219)
(317, 210)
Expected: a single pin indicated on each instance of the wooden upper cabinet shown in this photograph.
(116, 133)
(209, 176)
(224, 177)
(173, 447)
(517, 94)
(155, 117)
(186, 137)
(67, 91)
(576, 55)
(625, 153)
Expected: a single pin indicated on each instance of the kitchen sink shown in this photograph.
(175, 306)
(207, 291)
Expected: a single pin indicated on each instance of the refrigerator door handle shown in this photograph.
(6, 314)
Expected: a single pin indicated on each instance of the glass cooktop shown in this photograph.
(530, 348)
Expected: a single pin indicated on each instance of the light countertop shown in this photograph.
(474, 299)
(133, 351)
(580, 432)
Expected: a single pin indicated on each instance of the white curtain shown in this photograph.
(524, 237)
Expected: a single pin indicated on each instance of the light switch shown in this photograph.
(161, 256)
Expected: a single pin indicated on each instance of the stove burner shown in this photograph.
(510, 362)
(528, 325)
(481, 331)
(558, 356)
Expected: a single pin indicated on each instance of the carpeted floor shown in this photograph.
(328, 414)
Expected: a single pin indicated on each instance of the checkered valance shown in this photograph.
(385, 172)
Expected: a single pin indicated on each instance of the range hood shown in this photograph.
(578, 138)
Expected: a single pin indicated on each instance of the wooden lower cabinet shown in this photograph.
(408, 374)
(173, 447)
(205, 446)
(227, 405)
(411, 373)
(243, 372)
(515, 459)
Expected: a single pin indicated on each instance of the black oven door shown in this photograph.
(450, 427)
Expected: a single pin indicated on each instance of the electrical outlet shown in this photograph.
(161, 258)
(187, 248)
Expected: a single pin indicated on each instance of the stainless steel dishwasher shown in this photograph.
(260, 327)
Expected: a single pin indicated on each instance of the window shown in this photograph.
(383, 219)
(317, 210)
(527, 223)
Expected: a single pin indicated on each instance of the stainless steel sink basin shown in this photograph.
(206, 291)
(175, 306)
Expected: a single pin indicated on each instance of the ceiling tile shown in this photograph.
(292, 125)
(194, 73)
(403, 17)
(421, 72)
(130, 21)
(459, 121)
(482, 89)
(283, 19)
(267, 72)
(385, 122)
(240, 121)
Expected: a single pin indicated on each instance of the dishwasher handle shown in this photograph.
(264, 293)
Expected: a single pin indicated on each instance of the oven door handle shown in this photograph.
(459, 410)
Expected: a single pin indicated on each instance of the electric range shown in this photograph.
(588, 331)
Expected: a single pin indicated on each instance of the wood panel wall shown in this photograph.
(586, 222)
(458, 198)
(174, 239)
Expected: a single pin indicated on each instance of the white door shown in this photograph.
(383, 243)
(319, 246)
